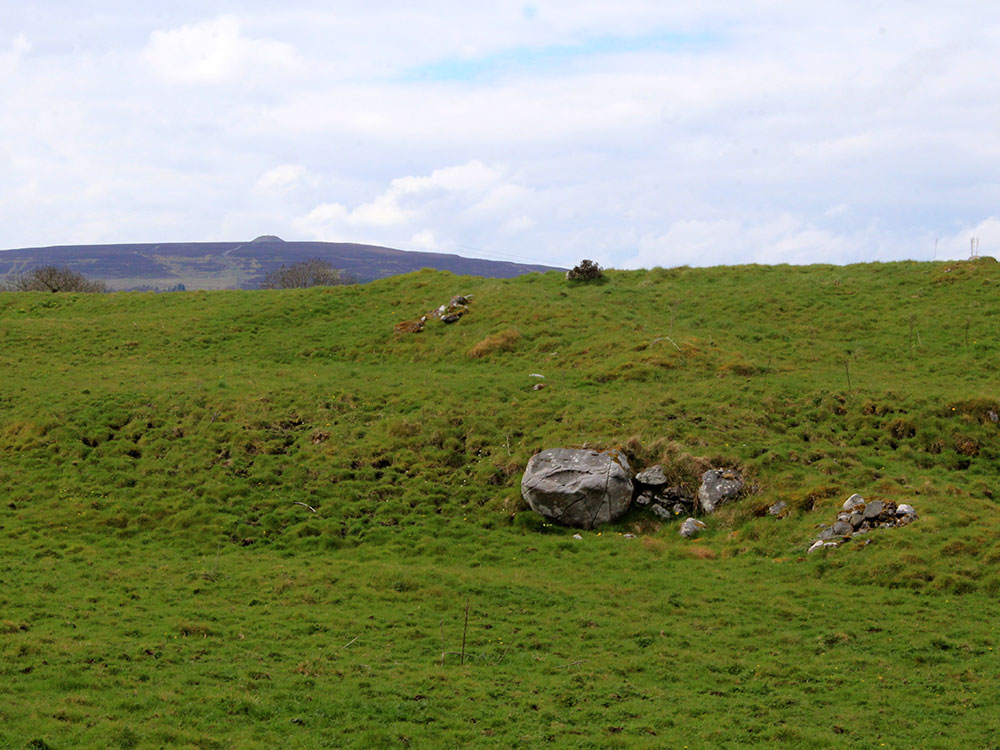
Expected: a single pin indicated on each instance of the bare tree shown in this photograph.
(312, 272)
(51, 279)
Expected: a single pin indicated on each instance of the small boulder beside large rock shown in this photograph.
(578, 487)
(718, 487)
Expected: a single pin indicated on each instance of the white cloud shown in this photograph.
(777, 239)
(419, 210)
(281, 179)
(638, 132)
(958, 245)
(213, 52)
(19, 47)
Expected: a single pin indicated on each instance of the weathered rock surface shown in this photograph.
(578, 487)
(853, 500)
(719, 486)
(652, 477)
(691, 527)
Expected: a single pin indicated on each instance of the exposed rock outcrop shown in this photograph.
(578, 487)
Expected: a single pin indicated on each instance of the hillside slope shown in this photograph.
(262, 515)
(240, 265)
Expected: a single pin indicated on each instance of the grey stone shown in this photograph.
(680, 508)
(451, 317)
(691, 527)
(651, 477)
(874, 509)
(578, 487)
(661, 511)
(826, 533)
(843, 516)
(818, 544)
(777, 508)
(906, 510)
(645, 498)
(857, 519)
(841, 528)
(853, 500)
(719, 486)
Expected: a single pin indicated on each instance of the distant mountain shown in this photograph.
(240, 265)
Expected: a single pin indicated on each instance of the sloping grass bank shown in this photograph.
(245, 518)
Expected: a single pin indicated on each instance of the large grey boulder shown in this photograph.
(719, 486)
(578, 487)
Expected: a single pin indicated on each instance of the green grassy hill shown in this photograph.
(258, 519)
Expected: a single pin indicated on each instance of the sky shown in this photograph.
(635, 133)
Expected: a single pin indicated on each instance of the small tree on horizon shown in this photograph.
(588, 270)
(306, 273)
(51, 279)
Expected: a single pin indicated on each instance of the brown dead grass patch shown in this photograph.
(498, 342)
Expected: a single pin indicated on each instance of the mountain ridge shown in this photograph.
(241, 264)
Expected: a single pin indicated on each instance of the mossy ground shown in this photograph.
(256, 518)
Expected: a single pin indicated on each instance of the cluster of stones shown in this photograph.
(448, 313)
(857, 516)
(585, 488)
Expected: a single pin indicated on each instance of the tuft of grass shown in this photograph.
(504, 341)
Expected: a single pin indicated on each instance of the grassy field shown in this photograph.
(258, 519)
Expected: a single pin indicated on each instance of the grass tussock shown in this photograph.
(497, 342)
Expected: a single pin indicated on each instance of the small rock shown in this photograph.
(853, 500)
(842, 528)
(873, 509)
(843, 516)
(535, 375)
(906, 510)
(538, 386)
(826, 533)
(458, 300)
(691, 527)
(777, 508)
(679, 508)
(994, 417)
(816, 545)
(577, 536)
(644, 498)
(857, 519)
(661, 511)
(629, 536)
(451, 317)
(652, 477)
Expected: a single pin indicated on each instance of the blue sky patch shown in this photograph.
(550, 58)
